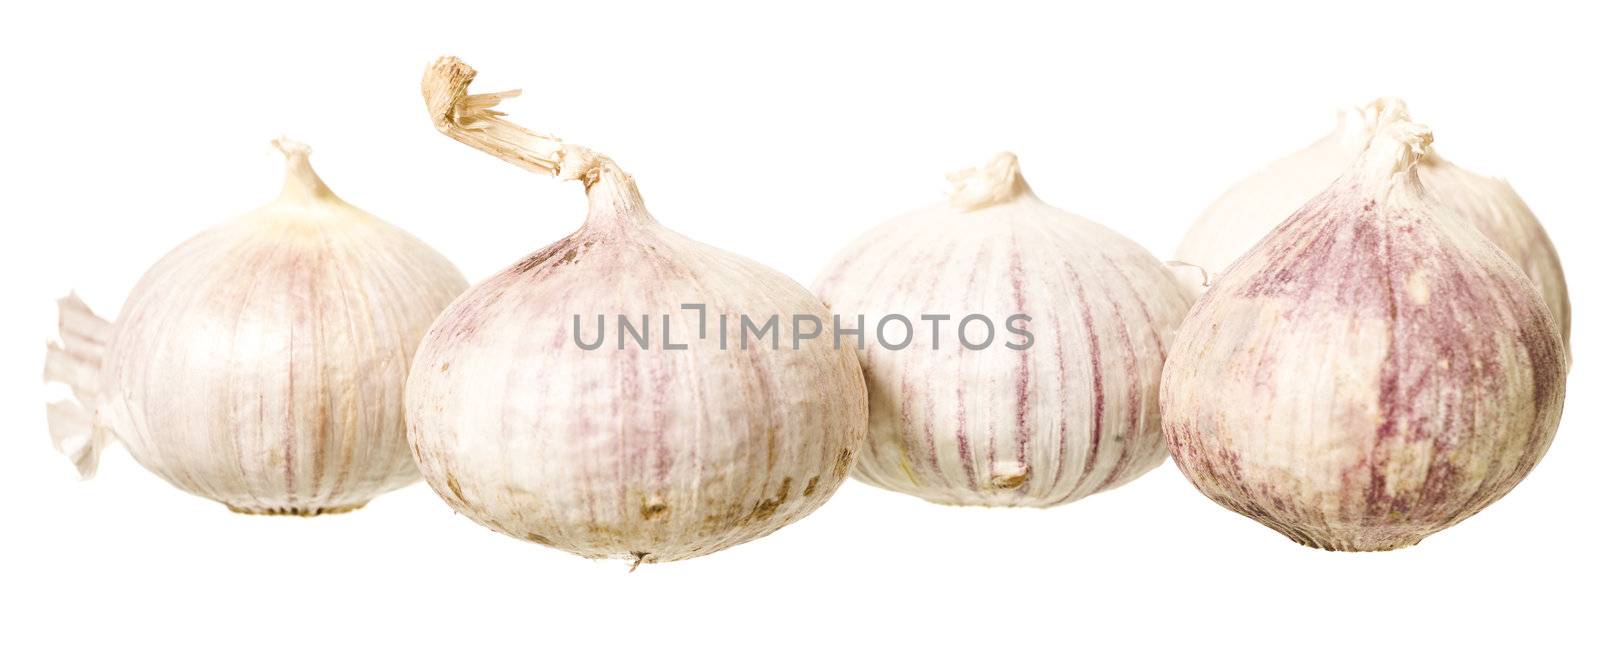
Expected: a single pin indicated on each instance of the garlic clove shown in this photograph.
(1373, 371)
(1072, 412)
(260, 363)
(628, 449)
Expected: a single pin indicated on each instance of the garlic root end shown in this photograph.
(76, 361)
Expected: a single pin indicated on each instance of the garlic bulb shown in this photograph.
(260, 363)
(1066, 407)
(1250, 210)
(1372, 372)
(675, 440)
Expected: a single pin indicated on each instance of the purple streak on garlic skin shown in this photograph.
(1073, 414)
(1372, 372)
(1257, 204)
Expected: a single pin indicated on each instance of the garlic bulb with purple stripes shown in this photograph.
(1372, 372)
(1249, 210)
(1013, 351)
(604, 396)
(261, 363)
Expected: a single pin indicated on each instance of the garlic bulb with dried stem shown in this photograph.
(261, 363)
(1372, 372)
(1248, 211)
(1064, 405)
(675, 440)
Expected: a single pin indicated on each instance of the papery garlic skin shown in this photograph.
(626, 451)
(1372, 372)
(1257, 204)
(261, 364)
(1074, 413)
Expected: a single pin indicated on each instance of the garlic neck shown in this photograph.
(614, 199)
(473, 120)
(1358, 125)
(301, 185)
(997, 182)
(1390, 160)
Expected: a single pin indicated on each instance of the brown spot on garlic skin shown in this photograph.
(1366, 376)
(841, 464)
(639, 557)
(455, 488)
(767, 507)
(653, 508)
(536, 260)
(294, 511)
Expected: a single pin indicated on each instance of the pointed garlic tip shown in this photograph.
(1396, 149)
(994, 183)
(1357, 125)
(300, 182)
(1385, 110)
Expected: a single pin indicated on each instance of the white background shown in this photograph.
(780, 134)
